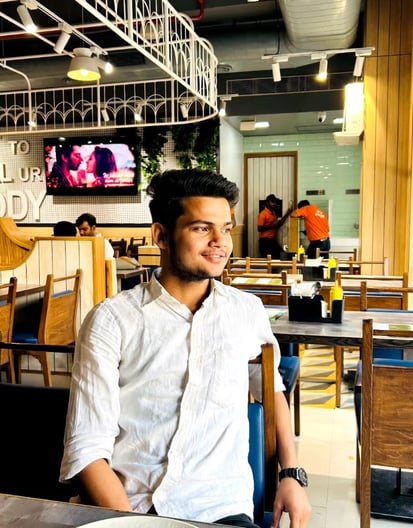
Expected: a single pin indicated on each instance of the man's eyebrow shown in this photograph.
(207, 222)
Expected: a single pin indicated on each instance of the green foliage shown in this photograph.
(153, 141)
(183, 136)
(195, 145)
(206, 144)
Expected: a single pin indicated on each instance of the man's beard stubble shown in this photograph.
(183, 272)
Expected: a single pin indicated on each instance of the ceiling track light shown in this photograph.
(105, 115)
(276, 72)
(358, 66)
(32, 121)
(322, 69)
(223, 109)
(105, 66)
(26, 17)
(138, 114)
(83, 67)
(63, 39)
(184, 110)
(322, 56)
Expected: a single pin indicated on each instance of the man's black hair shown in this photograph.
(86, 217)
(170, 187)
(303, 203)
(64, 228)
(271, 198)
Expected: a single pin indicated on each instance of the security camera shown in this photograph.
(321, 117)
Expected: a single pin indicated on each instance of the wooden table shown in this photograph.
(22, 512)
(347, 333)
(126, 274)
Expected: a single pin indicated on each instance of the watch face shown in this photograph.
(302, 477)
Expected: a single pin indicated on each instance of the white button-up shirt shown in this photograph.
(161, 393)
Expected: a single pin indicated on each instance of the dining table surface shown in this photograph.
(347, 333)
(25, 512)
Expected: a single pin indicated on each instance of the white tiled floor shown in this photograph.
(326, 448)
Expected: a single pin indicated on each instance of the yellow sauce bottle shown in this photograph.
(332, 264)
(300, 254)
(336, 294)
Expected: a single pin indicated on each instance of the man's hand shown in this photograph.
(291, 498)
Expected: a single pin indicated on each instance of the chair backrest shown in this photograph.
(387, 408)
(134, 244)
(272, 289)
(58, 319)
(7, 310)
(119, 247)
(35, 418)
(266, 360)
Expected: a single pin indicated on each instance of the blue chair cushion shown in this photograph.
(256, 455)
(25, 337)
(289, 369)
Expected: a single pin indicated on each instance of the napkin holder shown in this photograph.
(309, 309)
(311, 273)
(287, 255)
(318, 273)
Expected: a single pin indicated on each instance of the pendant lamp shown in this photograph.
(83, 67)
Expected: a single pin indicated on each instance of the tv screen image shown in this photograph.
(92, 166)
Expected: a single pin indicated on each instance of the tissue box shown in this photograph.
(310, 309)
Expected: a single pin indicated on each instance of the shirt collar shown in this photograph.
(157, 290)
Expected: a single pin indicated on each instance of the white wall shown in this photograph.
(231, 162)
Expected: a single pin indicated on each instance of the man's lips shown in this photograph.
(214, 256)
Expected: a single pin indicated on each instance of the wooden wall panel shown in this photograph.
(386, 199)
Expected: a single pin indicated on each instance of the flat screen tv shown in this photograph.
(92, 166)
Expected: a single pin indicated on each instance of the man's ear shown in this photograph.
(159, 235)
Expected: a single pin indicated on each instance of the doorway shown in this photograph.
(271, 173)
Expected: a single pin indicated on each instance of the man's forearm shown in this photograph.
(285, 440)
(103, 486)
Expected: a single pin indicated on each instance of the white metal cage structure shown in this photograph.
(179, 87)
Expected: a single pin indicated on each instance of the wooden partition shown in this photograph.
(60, 256)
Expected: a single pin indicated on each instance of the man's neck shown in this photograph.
(192, 293)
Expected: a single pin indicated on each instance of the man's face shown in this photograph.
(272, 204)
(75, 158)
(201, 242)
(86, 230)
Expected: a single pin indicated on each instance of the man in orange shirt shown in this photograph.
(316, 226)
(268, 226)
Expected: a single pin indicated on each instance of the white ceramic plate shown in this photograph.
(138, 521)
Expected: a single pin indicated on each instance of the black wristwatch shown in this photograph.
(299, 474)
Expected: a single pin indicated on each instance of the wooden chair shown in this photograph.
(119, 247)
(266, 360)
(7, 309)
(135, 242)
(271, 288)
(57, 321)
(386, 411)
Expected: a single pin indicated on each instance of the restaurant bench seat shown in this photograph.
(33, 422)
